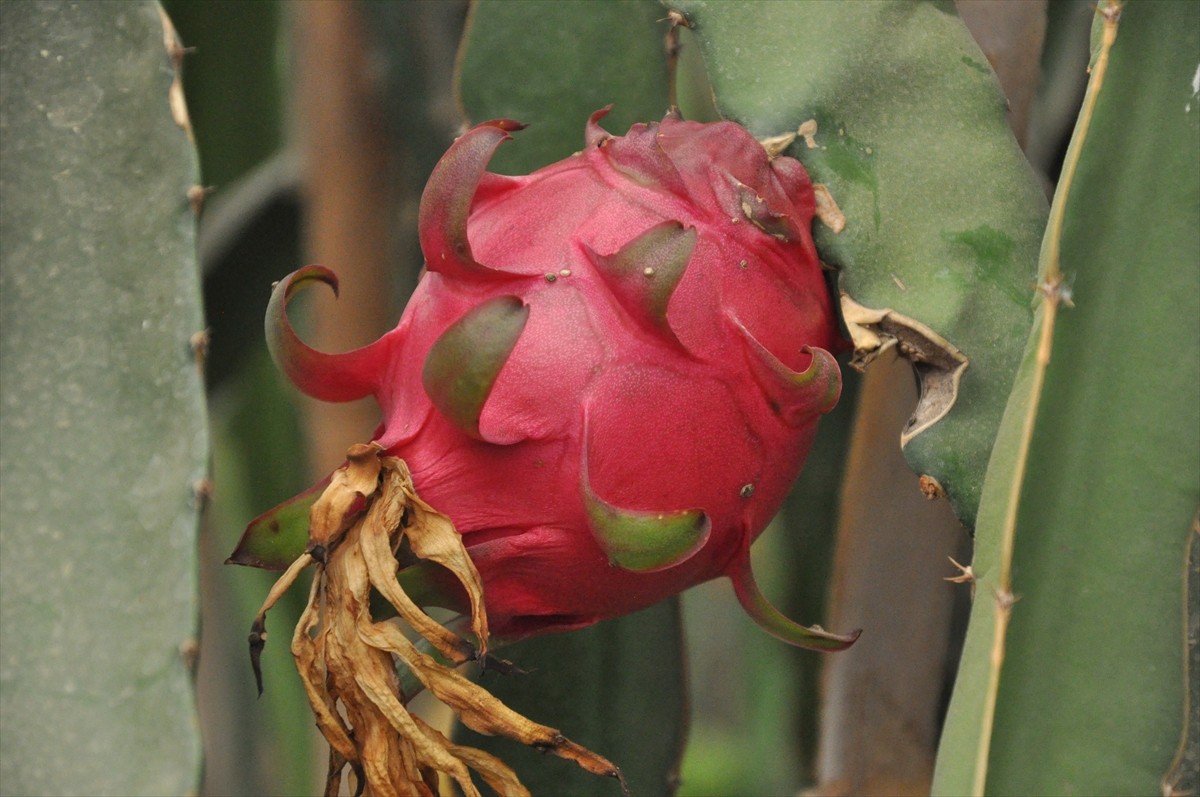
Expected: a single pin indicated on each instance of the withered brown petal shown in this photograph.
(258, 628)
(346, 497)
(384, 517)
(494, 772)
(478, 709)
(432, 536)
(347, 661)
(427, 749)
(311, 666)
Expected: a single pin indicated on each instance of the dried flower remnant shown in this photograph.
(347, 659)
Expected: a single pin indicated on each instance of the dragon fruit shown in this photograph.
(611, 371)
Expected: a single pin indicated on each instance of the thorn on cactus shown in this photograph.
(199, 344)
(966, 575)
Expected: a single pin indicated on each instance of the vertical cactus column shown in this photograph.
(1073, 673)
(103, 440)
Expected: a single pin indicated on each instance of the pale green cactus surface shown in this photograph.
(1073, 676)
(103, 438)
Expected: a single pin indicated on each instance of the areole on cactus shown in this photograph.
(607, 379)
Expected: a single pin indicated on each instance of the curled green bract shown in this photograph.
(328, 377)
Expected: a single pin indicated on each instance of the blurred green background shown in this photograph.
(946, 125)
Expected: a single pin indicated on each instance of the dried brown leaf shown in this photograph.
(258, 629)
(427, 749)
(938, 363)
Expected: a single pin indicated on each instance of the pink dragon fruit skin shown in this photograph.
(611, 370)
